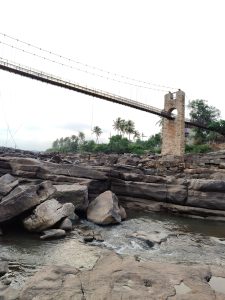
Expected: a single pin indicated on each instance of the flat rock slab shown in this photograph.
(53, 234)
(114, 277)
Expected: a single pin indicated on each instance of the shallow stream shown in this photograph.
(188, 240)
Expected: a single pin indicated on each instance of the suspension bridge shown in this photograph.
(171, 135)
(57, 81)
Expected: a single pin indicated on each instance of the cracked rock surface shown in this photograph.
(115, 277)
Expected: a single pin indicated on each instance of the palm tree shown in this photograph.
(137, 135)
(129, 127)
(74, 143)
(97, 131)
(61, 143)
(118, 124)
(81, 136)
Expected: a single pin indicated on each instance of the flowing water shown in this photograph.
(187, 240)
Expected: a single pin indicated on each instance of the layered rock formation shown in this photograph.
(192, 186)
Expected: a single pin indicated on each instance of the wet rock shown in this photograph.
(3, 268)
(98, 237)
(114, 278)
(23, 198)
(150, 238)
(53, 234)
(66, 225)
(7, 183)
(91, 235)
(47, 214)
(104, 209)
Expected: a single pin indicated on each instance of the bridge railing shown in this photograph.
(43, 76)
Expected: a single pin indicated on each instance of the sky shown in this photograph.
(175, 43)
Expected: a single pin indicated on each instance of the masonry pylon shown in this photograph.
(173, 135)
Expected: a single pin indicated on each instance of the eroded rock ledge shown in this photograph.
(192, 186)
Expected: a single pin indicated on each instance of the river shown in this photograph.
(188, 241)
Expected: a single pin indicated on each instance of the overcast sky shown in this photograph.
(175, 43)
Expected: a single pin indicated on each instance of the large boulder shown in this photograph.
(105, 209)
(23, 198)
(47, 214)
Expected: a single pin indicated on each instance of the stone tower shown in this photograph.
(173, 135)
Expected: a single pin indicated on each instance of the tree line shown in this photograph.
(129, 140)
(119, 143)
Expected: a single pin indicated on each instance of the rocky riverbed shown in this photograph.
(144, 251)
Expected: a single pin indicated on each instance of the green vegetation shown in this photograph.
(207, 115)
(197, 148)
(97, 131)
(117, 143)
(128, 139)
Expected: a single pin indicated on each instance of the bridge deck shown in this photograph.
(57, 81)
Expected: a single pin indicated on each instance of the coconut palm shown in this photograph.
(97, 131)
(118, 125)
(136, 134)
(81, 136)
(129, 127)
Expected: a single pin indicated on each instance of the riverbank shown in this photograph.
(190, 250)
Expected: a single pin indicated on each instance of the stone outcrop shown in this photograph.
(115, 277)
(105, 209)
(47, 214)
(193, 184)
(23, 198)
